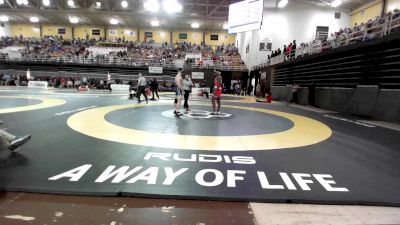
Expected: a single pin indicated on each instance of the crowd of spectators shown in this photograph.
(119, 49)
(51, 47)
(288, 51)
(372, 29)
(83, 83)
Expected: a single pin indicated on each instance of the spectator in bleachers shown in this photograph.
(293, 51)
(364, 32)
(288, 51)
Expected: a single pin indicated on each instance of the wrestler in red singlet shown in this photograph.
(216, 99)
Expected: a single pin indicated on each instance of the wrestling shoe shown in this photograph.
(18, 141)
(178, 114)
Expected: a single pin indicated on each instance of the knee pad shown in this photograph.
(176, 101)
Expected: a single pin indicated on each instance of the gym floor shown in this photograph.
(102, 144)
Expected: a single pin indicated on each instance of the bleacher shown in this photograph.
(364, 63)
(369, 31)
(126, 54)
(361, 79)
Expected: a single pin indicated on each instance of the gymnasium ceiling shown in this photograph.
(210, 14)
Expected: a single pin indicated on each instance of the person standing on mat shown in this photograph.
(178, 92)
(142, 87)
(295, 91)
(154, 89)
(187, 86)
(217, 92)
(13, 142)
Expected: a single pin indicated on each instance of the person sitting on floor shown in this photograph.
(132, 93)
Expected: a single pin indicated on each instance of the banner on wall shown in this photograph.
(198, 75)
(61, 30)
(130, 32)
(112, 32)
(193, 56)
(38, 84)
(120, 87)
(155, 69)
(182, 35)
(95, 31)
(214, 37)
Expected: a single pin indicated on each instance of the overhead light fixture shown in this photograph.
(34, 19)
(172, 6)
(151, 5)
(195, 25)
(19, 2)
(98, 4)
(73, 19)
(46, 2)
(282, 3)
(225, 26)
(71, 3)
(336, 3)
(124, 4)
(1, 2)
(113, 21)
(155, 23)
(4, 18)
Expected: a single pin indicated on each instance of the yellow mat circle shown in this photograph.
(45, 103)
(305, 131)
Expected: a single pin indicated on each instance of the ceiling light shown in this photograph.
(19, 2)
(155, 23)
(225, 26)
(25, 2)
(152, 5)
(172, 6)
(336, 3)
(34, 19)
(113, 21)
(1, 2)
(124, 4)
(4, 18)
(195, 25)
(73, 19)
(282, 3)
(98, 4)
(71, 3)
(46, 2)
